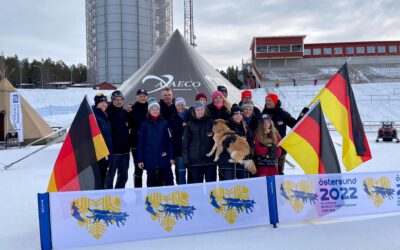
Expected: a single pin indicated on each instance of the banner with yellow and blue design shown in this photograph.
(100, 217)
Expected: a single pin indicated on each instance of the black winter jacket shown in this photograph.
(178, 125)
(135, 118)
(281, 118)
(198, 141)
(218, 113)
(119, 129)
(104, 125)
(167, 111)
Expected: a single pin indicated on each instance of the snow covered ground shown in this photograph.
(20, 184)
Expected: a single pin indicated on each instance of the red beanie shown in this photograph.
(215, 94)
(273, 97)
(201, 95)
(246, 93)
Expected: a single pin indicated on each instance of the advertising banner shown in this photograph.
(16, 114)
(100, 217)
(305, 197)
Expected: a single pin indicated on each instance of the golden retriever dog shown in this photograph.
(238, 148)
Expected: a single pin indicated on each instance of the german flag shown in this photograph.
(76, 165)
(339, 105)
(310, 144)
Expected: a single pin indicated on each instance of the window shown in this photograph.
(381, 49)
(371, 49)
(349, 50)
(307, 52)
(273, 49)
(392, 49)
(360, 50)
(262, 49)
(338, 51)
(284, 48)
(316, 52)
(297, 48)
(327, 51)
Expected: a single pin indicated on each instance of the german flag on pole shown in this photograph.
(76, 165)
(339, 105)
(310, 144)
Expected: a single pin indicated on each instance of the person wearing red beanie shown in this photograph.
(201, 97)
(274, 98)
(246, 96)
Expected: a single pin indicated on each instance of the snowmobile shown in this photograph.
(387, 132)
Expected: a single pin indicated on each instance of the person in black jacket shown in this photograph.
(249, 117)
(120, 141)
(167, 107)
(281, 119)
(197, 142)
(178, 123)
(217, 109)
(247, 97)
(230, 171)
(136, 116)
(155, 149)
(99, 108)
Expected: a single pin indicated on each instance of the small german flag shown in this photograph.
(339, 105)
(76, 165)
(310, 144)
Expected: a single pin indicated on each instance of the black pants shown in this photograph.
(138, 174)
(160, 177)
(207, 172)
(232, 171)
(103, 166)
(281, 163)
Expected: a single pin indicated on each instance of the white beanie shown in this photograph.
(152, 103)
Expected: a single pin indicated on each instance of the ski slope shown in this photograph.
(20, 184)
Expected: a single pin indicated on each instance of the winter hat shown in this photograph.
(180, 100)
(141, 91)
(116, 94)
(100, 97)
(152, 104)
(199, 105)
(247, 105)
(201, 95)
(273, 97)
(246, 93)
(222, 88)
(215, 94)
(265, 117)
(236, 110)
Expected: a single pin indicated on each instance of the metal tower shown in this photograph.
(164, 21)
(188, 17)
(91, 41)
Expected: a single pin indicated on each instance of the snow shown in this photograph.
(21, 183)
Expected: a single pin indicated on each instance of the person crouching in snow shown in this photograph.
(155, 148)
(266, 149)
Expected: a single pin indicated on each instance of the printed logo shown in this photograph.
(378, 190)
(168, 81)
(231, 202)
(169, 209)
(15, 98)
(298, 194)
(98, 215)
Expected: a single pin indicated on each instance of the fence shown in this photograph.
(75, 219)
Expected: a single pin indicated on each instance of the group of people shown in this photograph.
(160, 134)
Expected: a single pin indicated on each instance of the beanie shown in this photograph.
(215, 94)
(222, 88)
(273, 97)
(116, 94)
(201, 95)
(152, 104)
(236, 110)
(246, 93)
(199, 105)
(247, 105)
(265, 117)
(100, 97)
(141, 91)
(180, 100)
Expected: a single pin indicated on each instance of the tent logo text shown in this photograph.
(168, 81)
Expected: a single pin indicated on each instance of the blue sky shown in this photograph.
(224, 29)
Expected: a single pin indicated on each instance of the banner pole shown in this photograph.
(272, 204)
(44, 221)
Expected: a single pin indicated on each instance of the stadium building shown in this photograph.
(285, 58)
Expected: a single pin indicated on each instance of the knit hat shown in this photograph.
(265, 117)
(247, 105)
(100, 97)
(273, 97)
(141, 91)
(116, 94)
(222, 88)
(180, 100)
(246, 93)
(215, 94)
(236, 110)
(152, 104)
(201, 95)
(199, 105)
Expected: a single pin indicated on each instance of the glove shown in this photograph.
(304, 111)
